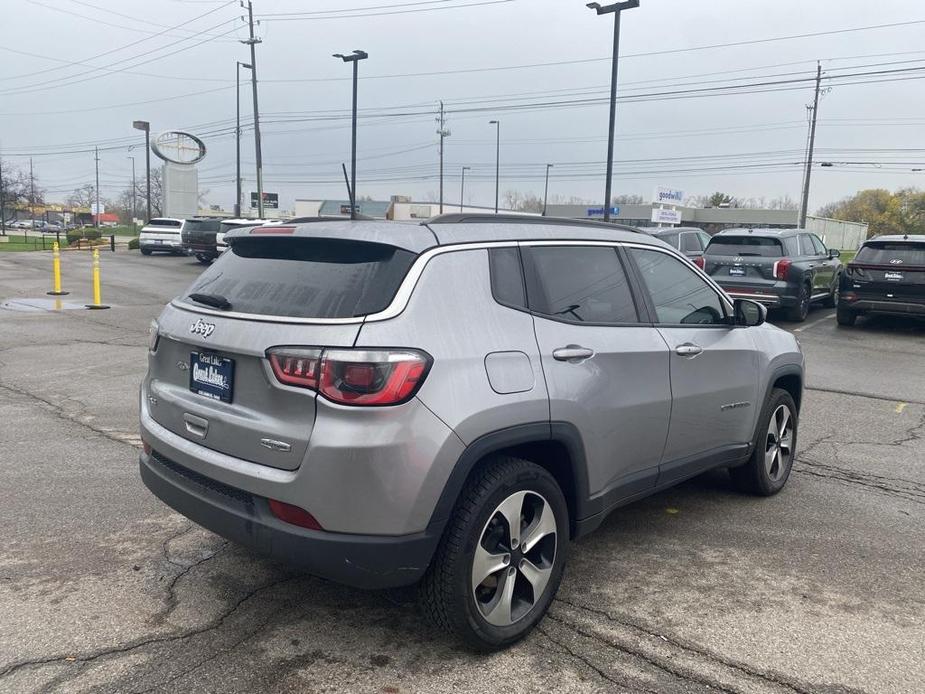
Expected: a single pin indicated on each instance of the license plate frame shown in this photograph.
(737, 271)
(893, 276)
(212, 376)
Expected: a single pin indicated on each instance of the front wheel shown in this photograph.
(501, 558)
(766, 472)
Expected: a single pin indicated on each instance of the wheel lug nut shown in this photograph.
(506, 558)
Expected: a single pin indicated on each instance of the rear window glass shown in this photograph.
(203, 224)
(745, 246)
(163, 223)
(306, 278)
(227, 226)
(507, 280)
(885, 253)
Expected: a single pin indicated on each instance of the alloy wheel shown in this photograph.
(778, 449)
(514, 558)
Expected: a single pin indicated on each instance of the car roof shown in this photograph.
(911, 238)
(441, 231)
(664, 231)
(779, 233)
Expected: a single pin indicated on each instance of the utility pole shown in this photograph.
(237, 135)
(462, 187)
(96, 159)
(31, 193)
(497, 125)
(252, 42)
(354, 58)
(442, 132)
(616, 9)
(2, 200)
(809, 154)
(546, 189)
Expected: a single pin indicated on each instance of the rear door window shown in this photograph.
(806, 245)
(305, 277)
(579, 284)
(690, 242)
(761, 246)
(895, 254)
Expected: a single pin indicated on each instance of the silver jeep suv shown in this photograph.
(453, 403)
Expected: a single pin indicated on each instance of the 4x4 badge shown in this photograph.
(200, 327)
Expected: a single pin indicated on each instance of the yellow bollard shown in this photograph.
(56, 270)
(97, 300)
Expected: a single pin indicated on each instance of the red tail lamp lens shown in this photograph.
(781, 267)
(699, 262)
(352, 376)
(294, 515)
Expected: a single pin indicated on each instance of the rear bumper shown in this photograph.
(163, 244)
(362, 561)
(201, 248)
(896, 308)
(771, 297)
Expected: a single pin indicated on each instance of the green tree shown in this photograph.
(901, 212)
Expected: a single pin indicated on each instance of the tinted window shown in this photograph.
(884, 252)
(690, 242)
(163, 223)
(818, 245)
(704, 238)
(679, 295)
(507, 281)
(580, 284)
(202, 224)
(806, 245)
(306, 278)
(670, 239)
(745, 246)
(225, 227)
(792, 244)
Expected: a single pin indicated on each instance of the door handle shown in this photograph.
(688, 349)
(572, 353)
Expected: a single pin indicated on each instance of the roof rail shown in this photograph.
(329, 218)
(490, 218)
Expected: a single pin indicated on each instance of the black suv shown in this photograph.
(780, 268)
(198, 238)
(886, 276)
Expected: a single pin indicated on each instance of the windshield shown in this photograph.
(761, 246)
(886, 253)
(306, 278)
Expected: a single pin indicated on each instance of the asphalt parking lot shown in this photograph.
(697, 589)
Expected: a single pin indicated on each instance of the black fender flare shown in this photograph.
(564, 433)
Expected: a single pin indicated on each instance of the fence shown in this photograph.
(836, 233)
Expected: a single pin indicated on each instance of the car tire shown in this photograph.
(203, 259)
(505, 605)
(831, 300)
(146, 251)
(845, 317)
(774, 450)
(798, 313)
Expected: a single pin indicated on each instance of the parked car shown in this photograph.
(205, 238)
(887, 276)
(780, 268)
(21, 224)
(51, 228)
(161, 234)
(689, 240)
(453, 402)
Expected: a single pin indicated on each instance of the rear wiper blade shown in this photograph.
(214, 300)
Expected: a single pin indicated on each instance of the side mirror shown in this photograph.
(834, 253)
(749, 313)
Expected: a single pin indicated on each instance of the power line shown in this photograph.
(364, 15)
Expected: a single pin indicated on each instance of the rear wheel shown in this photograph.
(766, 472)
(501, 558)
(845, 316)
(799, 312)
(831, 300)
(146, 251)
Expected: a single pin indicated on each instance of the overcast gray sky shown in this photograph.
(747, 144)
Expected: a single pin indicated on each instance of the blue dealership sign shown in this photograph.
(599, 211)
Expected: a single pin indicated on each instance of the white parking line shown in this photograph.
(814, 323)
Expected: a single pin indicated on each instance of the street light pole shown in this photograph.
(462, 187)
(497, 125)
(133, 191)
(546, 189)
(146, 126)
(237, 135)
(614, 9)
(354, 58)
(252, 42)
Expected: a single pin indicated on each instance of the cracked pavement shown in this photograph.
(697, 589)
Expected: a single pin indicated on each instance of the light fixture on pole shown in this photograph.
(497, 125)
(146, 126)
(237, 135)
(546, 189)
(354, 58)
(614, 9)
(462, 186)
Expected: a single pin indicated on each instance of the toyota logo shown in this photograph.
(179, 147)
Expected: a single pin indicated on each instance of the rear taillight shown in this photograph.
(781, 267)
(294, 515)
(700, 262)
(352, 376)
